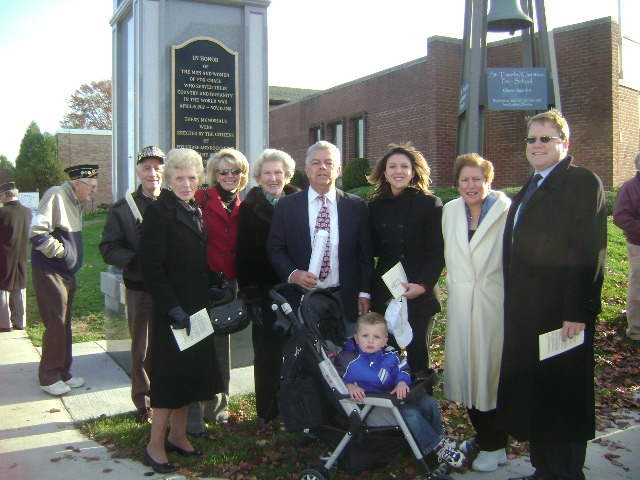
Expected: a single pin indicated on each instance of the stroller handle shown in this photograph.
(284, 313)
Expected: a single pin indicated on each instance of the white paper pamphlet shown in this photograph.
(317, 253)
(201, 328)
(393, 279)
(551, 343)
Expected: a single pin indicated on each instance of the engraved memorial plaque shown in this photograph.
(204, 96)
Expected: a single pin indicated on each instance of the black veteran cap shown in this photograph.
(82, 171)
(150, 152)
(7, 186)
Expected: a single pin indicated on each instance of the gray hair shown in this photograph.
(233, 157)
(273, 155)
(324, 145)
(11, 193)
(182, 157)
(637, 162)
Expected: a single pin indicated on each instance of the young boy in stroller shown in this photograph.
(367, 364)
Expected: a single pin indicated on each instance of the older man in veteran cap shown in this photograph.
(14, 237)
(119, 247)
(56, 256)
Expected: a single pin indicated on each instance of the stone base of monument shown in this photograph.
(118, 340)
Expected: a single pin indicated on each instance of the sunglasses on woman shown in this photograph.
(235, 171)
(543, 139)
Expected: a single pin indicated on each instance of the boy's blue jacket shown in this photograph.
(376, 372)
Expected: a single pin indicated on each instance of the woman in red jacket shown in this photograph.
(227, 175)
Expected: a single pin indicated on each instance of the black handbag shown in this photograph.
(229, 317)
(228, 314)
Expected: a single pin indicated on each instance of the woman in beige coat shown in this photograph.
(472, 227)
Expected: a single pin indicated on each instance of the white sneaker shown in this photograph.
(57, 388)
(489, 461)
(75, 382)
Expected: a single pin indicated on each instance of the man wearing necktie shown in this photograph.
(348, 261)
(554, 255)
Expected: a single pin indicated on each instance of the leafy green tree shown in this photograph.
(90, 107)
(37, 164)
(6, 170)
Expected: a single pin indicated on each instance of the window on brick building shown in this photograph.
(315, 134)
(336, 139)
(358, 140)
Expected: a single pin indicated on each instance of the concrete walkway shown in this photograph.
(38, 439)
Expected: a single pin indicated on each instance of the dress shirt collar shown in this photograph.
(331, 195)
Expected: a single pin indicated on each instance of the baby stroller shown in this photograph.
(313, 398)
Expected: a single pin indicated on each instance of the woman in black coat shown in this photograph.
(406, 227)
(173, 261)
(272, 170)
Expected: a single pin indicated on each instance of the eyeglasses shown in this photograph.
(94, 188)
(543, 139)
(235, 171)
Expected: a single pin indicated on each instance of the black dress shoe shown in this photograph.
(158, 467)
(4, 330)
(18, 328)
(170, 447)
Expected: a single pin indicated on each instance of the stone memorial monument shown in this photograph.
(186, 73)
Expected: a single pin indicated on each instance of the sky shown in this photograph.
(49, 48)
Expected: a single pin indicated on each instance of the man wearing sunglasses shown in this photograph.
(554, 255)
(56, 256)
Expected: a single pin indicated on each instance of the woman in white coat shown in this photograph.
(472, 227)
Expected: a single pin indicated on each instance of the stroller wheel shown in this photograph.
(316, 471)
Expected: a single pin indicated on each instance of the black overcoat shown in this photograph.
(408, 229)
(554, 268)
(14, 239)
(256, 276)
(173, 261)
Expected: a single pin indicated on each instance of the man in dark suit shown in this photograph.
(14, 239)
(348, 264)
(554, 255)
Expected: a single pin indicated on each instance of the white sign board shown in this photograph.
(29, 199)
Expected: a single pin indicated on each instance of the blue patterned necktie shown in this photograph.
(533, 188)
(323, 223)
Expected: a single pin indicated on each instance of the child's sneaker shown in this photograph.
(452, 456)
(469, 447)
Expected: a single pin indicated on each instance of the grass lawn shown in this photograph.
(243, 450)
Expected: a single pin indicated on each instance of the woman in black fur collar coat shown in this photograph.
(273, 171)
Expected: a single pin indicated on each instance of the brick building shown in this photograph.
(418, 102)
(76, 147)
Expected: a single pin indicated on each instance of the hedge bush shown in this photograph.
(355, 173)
(299, 179)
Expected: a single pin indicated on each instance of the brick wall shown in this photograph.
(418, 102)
(93, 147)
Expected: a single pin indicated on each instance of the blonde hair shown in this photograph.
(372, 318)
(179, 158)
(555, 118)
(273, 155)
(234, 158)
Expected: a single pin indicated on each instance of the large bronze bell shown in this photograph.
(507, 16)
